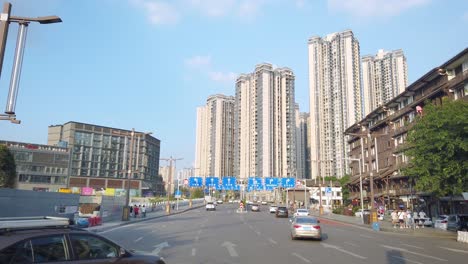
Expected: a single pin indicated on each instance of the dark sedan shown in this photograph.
(282, 212)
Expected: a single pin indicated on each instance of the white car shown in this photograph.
(210, 206)
(220, 201)
(255, 208)
(441, 222)
(273, 208)
(359, 212)
(301, 212)
(264, 202)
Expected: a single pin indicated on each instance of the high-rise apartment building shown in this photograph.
(384, 76)
(215, 137)
(265, 123)
(100, 156)
(335, 99)
(302, 145)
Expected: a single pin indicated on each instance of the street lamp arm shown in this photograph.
(40, 20)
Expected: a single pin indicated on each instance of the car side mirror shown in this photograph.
(122, 252)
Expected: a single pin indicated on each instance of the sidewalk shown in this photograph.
(159, 212)
(386, 226)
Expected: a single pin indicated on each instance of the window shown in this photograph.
(18, 253)
(91, 247)
(49, 249)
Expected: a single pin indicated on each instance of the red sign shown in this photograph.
(298, 183)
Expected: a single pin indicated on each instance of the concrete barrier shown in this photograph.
(462, 236)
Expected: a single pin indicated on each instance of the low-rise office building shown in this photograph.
(39, 167)
(102, 157)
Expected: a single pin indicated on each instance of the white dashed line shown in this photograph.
(272, 241)
(194, 251)
(412, 246)
(138, 239)
(456, 250)
(301, 257)
(351, 244)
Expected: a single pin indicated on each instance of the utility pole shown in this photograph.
(171, 171)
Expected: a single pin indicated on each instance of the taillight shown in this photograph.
(317, 227)
(297, 226)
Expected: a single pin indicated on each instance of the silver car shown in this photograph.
(305, 227)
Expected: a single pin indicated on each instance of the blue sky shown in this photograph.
(147, 64)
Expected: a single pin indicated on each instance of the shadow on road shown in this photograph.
(395, 257)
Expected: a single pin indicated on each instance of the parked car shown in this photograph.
(305, 227)
(264, 202)
(457, 222)
(441, 222)
(359, 212)
(52, 239)
(282, 211)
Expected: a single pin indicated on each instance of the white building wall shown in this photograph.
(335, 99)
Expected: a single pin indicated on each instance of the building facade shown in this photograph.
(379, 141)
(39, 167)
(101, 157)
(302, 145)
(215, 137)
(384, 76)
(264, 118)
(335, 99)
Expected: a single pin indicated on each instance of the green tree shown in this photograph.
(7, 168)
(197, 193)
(438, 149)
(344, 189)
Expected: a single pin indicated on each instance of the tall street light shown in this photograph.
(5, 20)
(171, 171)
(360, 185)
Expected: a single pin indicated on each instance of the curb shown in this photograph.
(122, 223)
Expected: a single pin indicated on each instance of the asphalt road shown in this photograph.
(225, 236)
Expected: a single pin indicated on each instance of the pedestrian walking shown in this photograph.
(136, 211)
(401, 219)
(416, 219)
(143, 211)
(394, 216)
(409, 221)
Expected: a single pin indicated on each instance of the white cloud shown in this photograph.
(159, 12)
(213, 8)
(371, 8)
(198, 61)
(222, 76)
(202, 64)
(465, 17)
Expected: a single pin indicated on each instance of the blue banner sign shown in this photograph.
(229, 183)
(288, 182)
(254, 184)
(271, 183)
(212, 182)
(195, 182)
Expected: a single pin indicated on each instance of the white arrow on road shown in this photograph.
(325, 245)
(230, 247)
(159, 247)
(414, 253)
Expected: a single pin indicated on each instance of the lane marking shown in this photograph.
(230, 247)
(342, 250)
(405, 259)
(194, 250)
(257, 232)
(412, 246)
(272, 241)
(456, 250)
(351, 244)
(414, 253)
(366, 236)
(138, 239)
(159, 247)
(301, 257)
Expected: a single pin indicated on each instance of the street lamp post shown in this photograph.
(5, 20)
(171, 171)
(360, 185)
